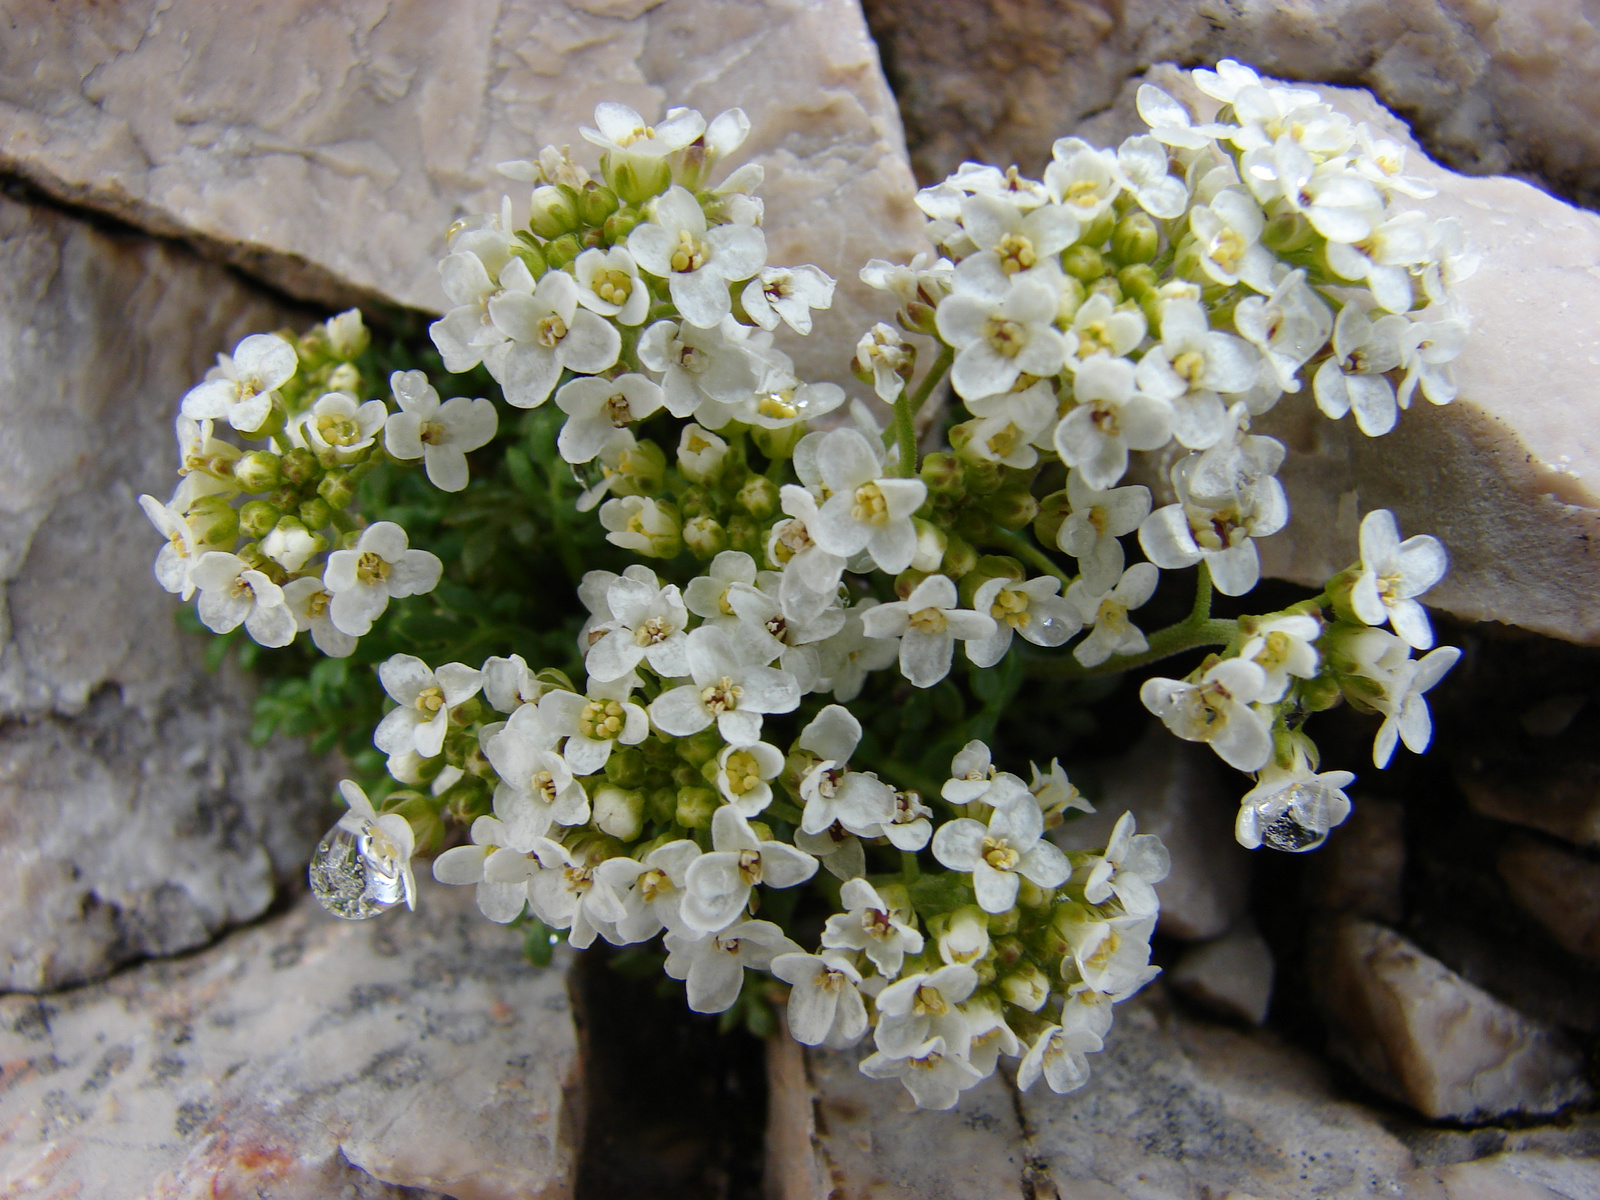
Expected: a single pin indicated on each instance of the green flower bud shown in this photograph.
(1004, 923)
(906, 582)
(258, 471)
(932, 542)
(959, 557)
(346, 377)
(316, 513)
(1320, 693)
(696, 806)
(778, 443)
(662, 805)
(641, 471)
(698, 748)
(1098, 231)
(1108, 287)
(422, 814)
(1053, 512)
(636, 178)
(942, 473)
(1012, 508)
(1073, 294)
(697, 502)
(337, 488)
(1135, 239)
(762, 830)
(626, 767)
(980, 476)
(1138, 281)
(1026, 986)
(618, 226)
(257, 518)
(1031, 895)
(705, 537)
(554, 211)
(1287, 233)
(299, 466)
(744, 535)
(562, 251)
(619, 812)
(532, 257)
(758, 496)
(963, 936)
(469, 798)
(596, 203)
(1083, 262)
(917, 317)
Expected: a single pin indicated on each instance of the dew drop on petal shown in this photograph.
(1295, 819)
(354, 872)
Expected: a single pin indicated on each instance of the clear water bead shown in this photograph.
(1295, 819)
(355, 872)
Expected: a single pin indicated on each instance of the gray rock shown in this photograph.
(1230, 975)
(300, 1059)
(1492, 86)
(1559, 796)
(1361, 867)
(1558, 888)
(1416, 1030)
(1176, 790)
(135, 816)
(327, 147)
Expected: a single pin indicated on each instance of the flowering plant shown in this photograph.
(713, 741)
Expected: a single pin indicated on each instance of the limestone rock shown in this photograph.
(135, 817)
(1559, 889)
(1560, 795)
(327, 147)
(1491, 85)
(302, 1058)
(1231, 975)
(1514, 1176)
(1415, 1029)
(1175, 790)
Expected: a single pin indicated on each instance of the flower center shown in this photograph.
(639, 133)
(371, 570)
(429, 700)
(601, 719)
(750, 866)
(613, 286)
(1011, 607)
(1094, 337)
(742, 772)
(791, 538)
(877, 923)
(722, 696)
(870, 507)
(1016, 253)
(337, 429)
(652, 632)
(1005, 337)
(1276, 650)
(929, 620)
(1085, 193)
(241, 588)
(543, 786)
(688, 254)
(999, 855)
(779, 405)
(317, 603)
(617, 410)
(1227, 249)
(550, 331)
(653, 883)
(929, 1002)
(433, 433)
(1190, 365)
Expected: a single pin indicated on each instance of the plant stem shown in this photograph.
(1024, 549)
(906, 409)
(909, 870)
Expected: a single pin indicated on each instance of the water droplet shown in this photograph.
(1295, 819)
(356, 873)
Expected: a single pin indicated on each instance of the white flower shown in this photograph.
(1288, 326)
(1405, 712)
(206, 463)
(1109, 419)
(697, 263)
(1427, 348)
(708, 595)
(289, 544)
(623, 131)
(308, 601)
(336, 425)
(713, 967)
(1216, 709)
(996, 340)
(1169, 122)
(598, 720)
(1131, 864)
(742, 775)
(1190, 366)
(440, 434)
(1383, 162)
(727, 689)
(836, 849)
(389, 841)
(928, 623)
(1055, 793)
(596, 408)
(261, 364)
(1112, 954)
(1339, 203)
(498, 868)
(1083, 179)
(1030, 607)
(1058, 1055)
(1228, 236)
(380, 567)
(1099, 328)
(825, 1005)
(1283, 647)
(975, 779)
(888, 356)
(1010, 241)
(609, 284)
(1392, 574)
(508, 683)
(1095, 523)
(648, 624)
(849, 656)
(1354, 378)
(549, 333)
(810, 574)
(923, 1005)
(767, 632)
(1292, 808)
(232, 592)
(1107, 613)
(1143, 161)
(536, 786)
(932, 1072)
(789, 294)
(184, 547)
(650, 892)
(866, 511)
(869, 925)
(699, 367)
(1009, 847)
(465, 335)
(718, 884)
(783, 401)
(1383, 259)
(425, 699)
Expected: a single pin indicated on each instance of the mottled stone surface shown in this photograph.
(1492, 85)
(1560, 889)
(1230, 975)
(1560, 796)
(1413, 1028)
(135, 817)
(1178, 1108)
(327, 146)
(1179, 792)
(301, 1059)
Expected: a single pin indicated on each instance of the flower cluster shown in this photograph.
(1158, 298)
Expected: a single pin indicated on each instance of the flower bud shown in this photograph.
(562, 251)
(705, 537)
(596, 203)
(641, 470)
(258, 471)
(618, 226)
(700, 748)
(643, 525)
(626, 767)
(780, 442)
(744, 535)
(1073, 294)
(316, 513)
(959, 557)
(1001, 924)
(422, 814)
(1108, 287)
(1053, 512)
(337, 488)
(1083, 262)
(990, 566)
(917, 317)
(906, 582)
(1287, 233)
(965, 936)
(758, 496)
(942, 473)
(932, 542)
(554, 211)
(980, 476)
(290, 544)
(345, 377)
(1138, 281)
(257, 518)
(1098, 231)
(636, 178)
(348, 337)
(701, 454)
(619, 812)
(696, 501)
(1026, 986)
(1031, 895)
(299, 466)
(532, 257)
(1011, 508)
(695, 807)
(1319, 694)
(662, 805)
(762, 830)
(1135, 239)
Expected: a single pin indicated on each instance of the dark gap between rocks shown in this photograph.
(676, 1109)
